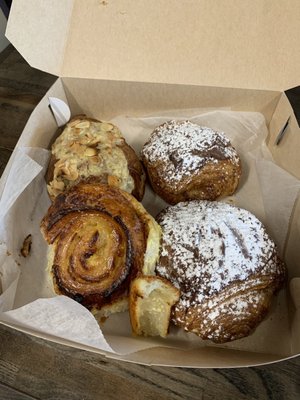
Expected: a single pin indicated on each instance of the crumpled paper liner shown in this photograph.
(27, 297)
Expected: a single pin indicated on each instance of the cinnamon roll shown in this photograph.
(185, 161)
(91, 148)
(101, 238)
(224, 263)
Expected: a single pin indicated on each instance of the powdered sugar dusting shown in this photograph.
(211, 246)
(213, 242)
(185, 147)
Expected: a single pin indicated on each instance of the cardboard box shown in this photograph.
(126, 57)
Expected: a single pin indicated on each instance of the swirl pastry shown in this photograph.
(225, 265)
(91, 148)
(185, 161)
(101, 238)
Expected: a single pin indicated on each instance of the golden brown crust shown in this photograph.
(187, 162)
(26, 247)
(225, 264)
(136, 170)
(101, 162)
(50, 172)
(225, 321)
(99, 240)
(213, 182)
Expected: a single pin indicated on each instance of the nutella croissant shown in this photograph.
(91, 148)
(225, 265)
(101, 238)
(185, 161)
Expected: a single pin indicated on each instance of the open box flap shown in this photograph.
(39, 31)
(250, 44)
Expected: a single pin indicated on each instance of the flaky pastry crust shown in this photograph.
(225, 265)
(185, 162)
(101, 238)
(90, 148)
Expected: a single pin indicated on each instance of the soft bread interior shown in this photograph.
(150, 301)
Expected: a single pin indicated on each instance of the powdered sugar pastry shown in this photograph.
(188, 146)
(224, 263)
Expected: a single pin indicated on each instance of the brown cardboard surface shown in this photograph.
(241, 44)
(206, 357)
(47, 25)
(175, 47)
(104, 98)
(285, 153)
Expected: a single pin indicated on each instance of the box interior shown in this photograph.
(105, 99)
(119, 58)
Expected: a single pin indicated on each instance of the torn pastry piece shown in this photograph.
(26, 247)
(224, 263)
(100, 239)
(150, 302)
(186, 161)
(91, 148)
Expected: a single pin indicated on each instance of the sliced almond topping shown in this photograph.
(73, 175)
(95, 159)
(59, 185)
(53, 192)
(90, 152)
(93, 139)
(58, 168)
(83, 125)
(64, 168)
(74, 123)
(78, 148)
(105, 126)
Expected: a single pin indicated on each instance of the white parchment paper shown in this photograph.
(27, 297)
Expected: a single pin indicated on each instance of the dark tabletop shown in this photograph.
(32, 368)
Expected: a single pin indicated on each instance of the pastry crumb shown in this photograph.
(26, 247)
